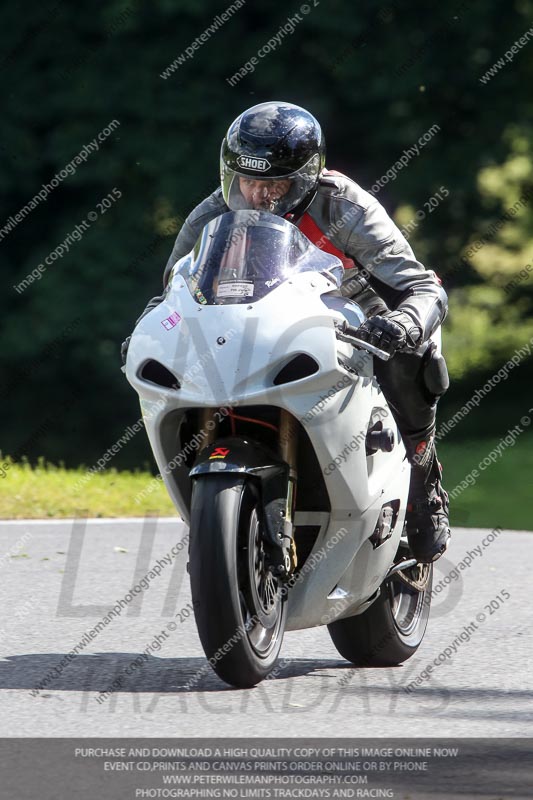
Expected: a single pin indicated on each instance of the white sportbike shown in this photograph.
(279, 450)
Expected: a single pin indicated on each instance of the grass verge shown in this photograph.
(500, 496)
(48, 491)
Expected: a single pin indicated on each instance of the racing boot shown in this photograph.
(427, 523)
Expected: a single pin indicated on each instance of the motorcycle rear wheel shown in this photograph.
(239, 607)
(391, 630)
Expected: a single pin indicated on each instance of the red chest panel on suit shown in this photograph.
(310, 229)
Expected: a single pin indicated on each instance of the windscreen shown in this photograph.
(242, 256)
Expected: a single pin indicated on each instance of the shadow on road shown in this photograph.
(102, 671)
(41, 674)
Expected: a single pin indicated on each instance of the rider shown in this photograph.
(272, 159)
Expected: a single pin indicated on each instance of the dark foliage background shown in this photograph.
(377, 75)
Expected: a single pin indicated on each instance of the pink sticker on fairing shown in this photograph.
(171, 322)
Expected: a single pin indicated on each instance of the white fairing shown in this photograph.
(229, 355)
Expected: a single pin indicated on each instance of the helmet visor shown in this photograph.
(278, 195)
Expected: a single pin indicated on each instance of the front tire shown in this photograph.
(238, 604)
(392, 629)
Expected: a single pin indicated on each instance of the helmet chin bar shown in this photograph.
(294, 213)
(297, 213)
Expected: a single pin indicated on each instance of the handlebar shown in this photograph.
(347, 333)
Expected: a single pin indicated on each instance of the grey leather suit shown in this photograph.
(385, 268)
(385, 274)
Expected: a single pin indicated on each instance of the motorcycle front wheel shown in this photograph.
(239, 607)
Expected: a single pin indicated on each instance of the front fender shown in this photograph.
(233, 454)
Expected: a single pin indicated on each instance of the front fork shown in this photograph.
(288, 445)
(208, 425)
(284, 558)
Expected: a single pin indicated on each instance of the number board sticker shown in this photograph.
(235, 289)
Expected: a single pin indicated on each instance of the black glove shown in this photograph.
(391, 331)
(124, 349)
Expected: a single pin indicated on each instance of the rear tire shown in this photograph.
(391, 630)
(239, 610)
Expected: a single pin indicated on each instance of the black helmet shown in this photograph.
(273, 141)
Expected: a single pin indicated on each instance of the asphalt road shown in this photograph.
(59, 578)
